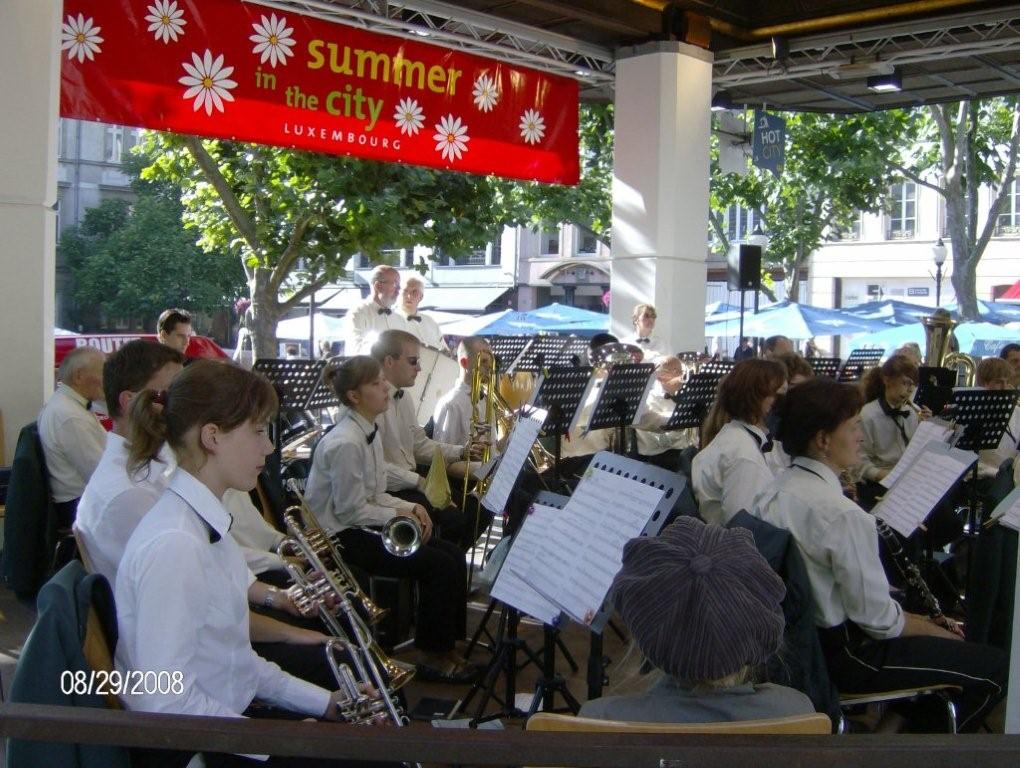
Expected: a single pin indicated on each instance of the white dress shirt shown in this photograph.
(883, 442)
(405, 444)
(652, 346)
(651, 439)
(730, 472)
(113, 504)
(425, 328)
(839, 543)
(73, 441)
(990, 460)
(256, 537)
(347, 482)
(452, 416)
(364, 324)
(182, 605)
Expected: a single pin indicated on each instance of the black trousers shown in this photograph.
(441, 573)
(462, 528)
(859, 663)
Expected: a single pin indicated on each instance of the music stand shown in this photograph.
(506, 350)
(621, 396)
(860, 360)
(825, 366)
(693, 401)
(541, 353)
(722, 367)
(560, 391)
(295, 382)
(984, 415)
(574, 352)
(672, 483)
(934, 388)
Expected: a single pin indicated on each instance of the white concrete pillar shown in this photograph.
(660, 190)
(29, 91)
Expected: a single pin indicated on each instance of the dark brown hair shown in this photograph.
(171, 318)
(873, 386)
(819, 405)
(741, 393)
(129, 368)
(206, 392)
(795, 365)
(352, 373)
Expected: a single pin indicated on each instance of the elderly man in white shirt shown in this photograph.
(374, 315)
(452, 416)
(418, 323)
(72, 438)
(406, 446)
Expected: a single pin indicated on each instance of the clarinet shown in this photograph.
(912, 576)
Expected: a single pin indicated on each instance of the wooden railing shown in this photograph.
(509, 747)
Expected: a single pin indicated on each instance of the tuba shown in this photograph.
(938, 332)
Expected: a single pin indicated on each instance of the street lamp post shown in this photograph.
(939, 252)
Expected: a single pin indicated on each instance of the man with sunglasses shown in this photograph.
(407, 448)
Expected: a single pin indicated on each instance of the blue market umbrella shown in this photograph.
(555, 318)
(974, 338)
(798, 321)
(890, 311)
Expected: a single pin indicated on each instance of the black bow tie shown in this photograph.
(88, 405)
(895, 415)
(643, 341)
(371, 437)
(415, 318)
(767, 445)
(385, 311)
(398, 394)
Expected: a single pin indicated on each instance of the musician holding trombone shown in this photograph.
(346, 491)
(181, 587)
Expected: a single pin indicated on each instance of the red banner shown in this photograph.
(238, 70)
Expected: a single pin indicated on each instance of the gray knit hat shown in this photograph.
(700, 601)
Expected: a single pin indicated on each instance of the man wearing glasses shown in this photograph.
(407, 448)
(376, 314)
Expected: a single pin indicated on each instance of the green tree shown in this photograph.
(956, 149)
(293, 219)
(836, 167)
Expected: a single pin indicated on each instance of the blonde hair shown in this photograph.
(639, 309)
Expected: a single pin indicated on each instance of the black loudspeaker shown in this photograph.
(744, 271)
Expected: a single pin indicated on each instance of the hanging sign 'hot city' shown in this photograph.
(238, 70)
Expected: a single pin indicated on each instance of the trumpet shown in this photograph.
(311, 591)
(354, 706)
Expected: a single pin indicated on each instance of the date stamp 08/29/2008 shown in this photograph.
(116, 683)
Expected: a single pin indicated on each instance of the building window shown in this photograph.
(113, 143)
(497, 248)
(587, 243)
(61, 141)
(550, 242)
(740, 223)
(1008, 222)
(851, 233)
(902, 211)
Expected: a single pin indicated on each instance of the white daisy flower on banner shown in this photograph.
(80, 38)
(273, 40)
(409, 117)
(207, 82)
(532, 126)
(486, 93)
(451, 137)
(166, 20)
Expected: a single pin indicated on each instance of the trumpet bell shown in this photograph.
(401, 536)
(516, 390)
(616, 353)
(399, 673)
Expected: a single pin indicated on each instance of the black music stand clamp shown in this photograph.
(620, 399)
(984, 415)
(672, 484)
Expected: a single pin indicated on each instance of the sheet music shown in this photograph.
(1008, 511)
(922, 486)
(932, 430)
(582, 551)
(510, 588)
(523, 436)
